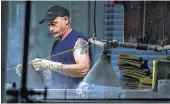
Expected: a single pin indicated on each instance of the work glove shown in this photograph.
(18, 69)
(43, 64)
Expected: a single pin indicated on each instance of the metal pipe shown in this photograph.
(163, 21)
(23, 93)
(127, 45)
(97, 42)
(166, 47)
(144, 19)
(115, 43)
(4, 39)
(94, 18)
(140, 46)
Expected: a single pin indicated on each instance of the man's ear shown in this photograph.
(66, 20)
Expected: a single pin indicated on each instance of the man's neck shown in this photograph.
(68, 30)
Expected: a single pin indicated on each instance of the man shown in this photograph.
(68, 69)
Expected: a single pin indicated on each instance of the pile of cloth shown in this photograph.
(134, 72)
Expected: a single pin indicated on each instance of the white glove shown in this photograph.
(18, 69)
(42, 65)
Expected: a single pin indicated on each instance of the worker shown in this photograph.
(68, 69)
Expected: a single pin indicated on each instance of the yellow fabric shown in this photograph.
(128, 56)
(144, 86)
(146, 80)
(143, 79)
(131, 63)
(131, 66)
(142, 72)
(133, 74)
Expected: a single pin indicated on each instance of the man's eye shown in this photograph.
(52, 24)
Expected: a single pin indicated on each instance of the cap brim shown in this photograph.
(41, 21)
(47, 18)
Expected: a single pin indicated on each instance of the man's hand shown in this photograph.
(42, 65)
(18, 69)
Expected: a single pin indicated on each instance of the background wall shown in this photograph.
(156, 21)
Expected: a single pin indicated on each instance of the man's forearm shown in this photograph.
(75, 70)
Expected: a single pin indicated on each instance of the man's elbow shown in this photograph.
(84, 72)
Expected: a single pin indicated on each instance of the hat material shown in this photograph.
(53, 12)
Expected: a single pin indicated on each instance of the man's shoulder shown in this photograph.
(80, 35)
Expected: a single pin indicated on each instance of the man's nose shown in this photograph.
(50, 28)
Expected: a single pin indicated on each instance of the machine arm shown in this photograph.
(138, 46)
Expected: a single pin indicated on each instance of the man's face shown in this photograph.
(57, 26)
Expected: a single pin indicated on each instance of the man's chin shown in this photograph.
(55, 35)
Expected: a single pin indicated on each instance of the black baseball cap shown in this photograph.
(53, 12)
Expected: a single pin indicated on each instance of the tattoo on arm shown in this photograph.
(82, 44)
